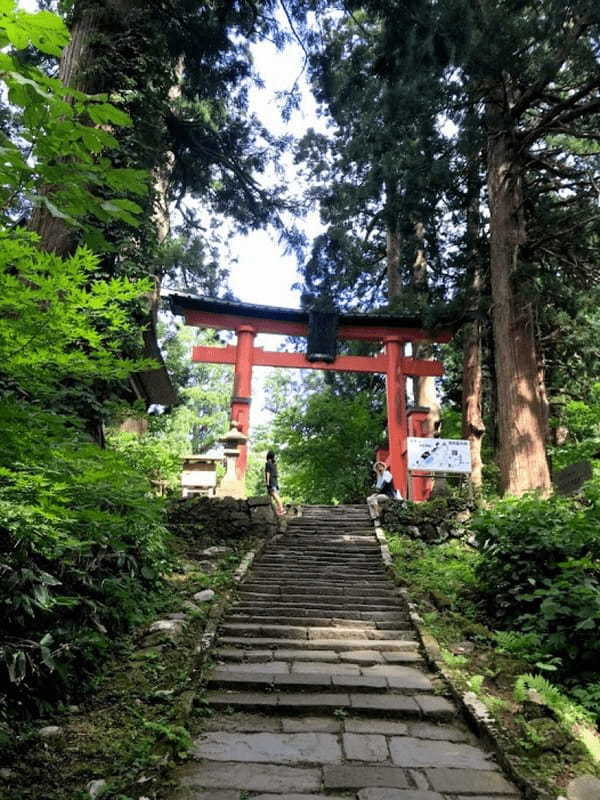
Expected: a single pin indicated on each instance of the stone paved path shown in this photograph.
(321, 692)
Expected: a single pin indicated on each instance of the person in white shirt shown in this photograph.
(385, 490)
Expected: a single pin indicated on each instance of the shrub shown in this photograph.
(540, 572)
(82, 547)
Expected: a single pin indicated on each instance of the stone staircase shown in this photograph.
(320, 689)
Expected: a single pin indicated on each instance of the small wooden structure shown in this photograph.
(199, 475)
(392, 332)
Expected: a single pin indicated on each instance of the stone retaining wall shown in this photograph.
(224, 516)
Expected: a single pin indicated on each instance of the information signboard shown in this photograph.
(439, 455)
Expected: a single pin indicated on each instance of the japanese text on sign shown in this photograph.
(439, 455)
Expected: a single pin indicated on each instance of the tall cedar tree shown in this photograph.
(533, 67)
(379, 175)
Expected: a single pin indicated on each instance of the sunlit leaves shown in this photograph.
(56, 161)
(56, 321)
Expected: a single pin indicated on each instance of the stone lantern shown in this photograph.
(231, 485)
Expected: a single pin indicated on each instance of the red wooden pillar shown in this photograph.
(418, 425)
(396, 411)
(242, 390)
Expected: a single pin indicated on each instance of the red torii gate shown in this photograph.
(247, 320)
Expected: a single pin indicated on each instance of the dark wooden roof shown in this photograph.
(154, 386)
(180, 303)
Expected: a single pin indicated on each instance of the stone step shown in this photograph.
(275, 595)
(333, 579)
(339, 573)
(312, 632)
(317, 676)
(268, 610)
(424, 706)
(361, 657)
(323, 622)
(337, 608)
(250, 587)
(322, 557)
(319, 644)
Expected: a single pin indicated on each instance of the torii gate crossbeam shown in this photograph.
(248, 320)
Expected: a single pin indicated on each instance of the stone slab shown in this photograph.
(270, 748)
(255, 668)
(392, 657)
(360, 777)
(250, 777)
(226, 698)
(469, 781)
(490, 797)
(362, 657)
(428, 730)
(409, 752)
(325, 669)
(360, 682)
(365, 747)
(214, 794)
(307, 655)
(298, 797)
(387, 727)
(397, 794)
(316, 700)
(388, 703)
(433, 706)
(311, 724)
(242, 721)
(400, 677)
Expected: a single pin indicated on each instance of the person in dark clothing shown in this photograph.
(272, 482)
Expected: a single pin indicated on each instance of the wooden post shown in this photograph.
(242, 390)
(396, 411)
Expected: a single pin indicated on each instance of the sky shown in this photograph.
(262, 273)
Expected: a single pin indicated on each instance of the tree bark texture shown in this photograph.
(521, 453)
(424, 388)
(393, 262)
(76, 70)
(473, 427)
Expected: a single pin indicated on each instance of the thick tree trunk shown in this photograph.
(473, 427)
(521, 455)
(424, 388)
(76, 70)
(393, 262)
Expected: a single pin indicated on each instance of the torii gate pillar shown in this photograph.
(242, 390)
(396, 411)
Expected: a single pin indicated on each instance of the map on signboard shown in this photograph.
(439, 455)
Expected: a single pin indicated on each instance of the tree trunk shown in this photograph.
(473, 427)
(424, 388)
(393, 262)
(521, 455)
(76, 70)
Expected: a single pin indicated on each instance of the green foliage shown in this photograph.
(447, 570)
(82, 544)
(58, 322)
(539, 572)
(56, 161)
(158, 458)
(551, 696)
(325, 446)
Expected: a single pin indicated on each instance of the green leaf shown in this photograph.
(105, 113)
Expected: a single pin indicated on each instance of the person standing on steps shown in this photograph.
(384, 490)
(271, 479)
